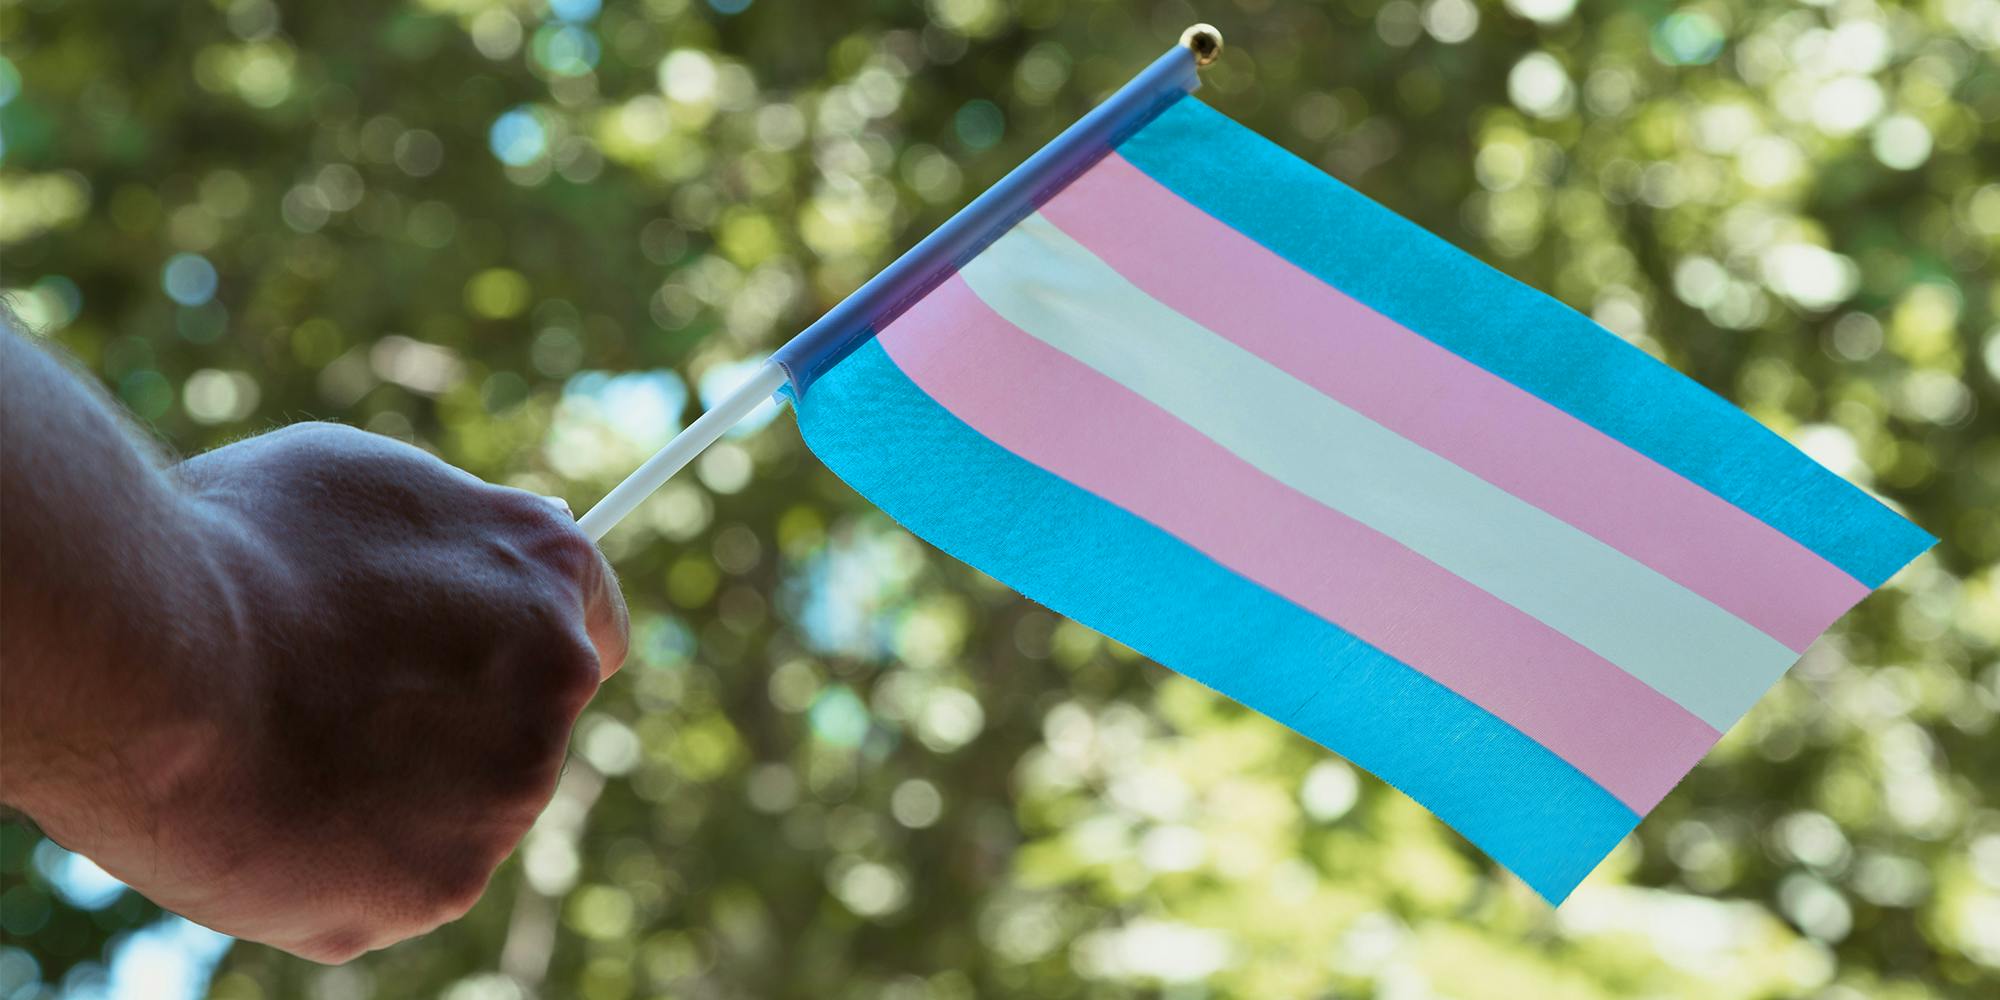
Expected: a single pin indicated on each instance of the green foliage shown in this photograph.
(840, 765)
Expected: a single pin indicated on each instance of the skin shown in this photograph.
(308, 689)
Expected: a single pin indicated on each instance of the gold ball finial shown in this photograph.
(1204, 41)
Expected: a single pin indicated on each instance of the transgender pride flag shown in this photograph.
(1186, 389)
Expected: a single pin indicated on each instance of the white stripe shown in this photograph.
(1704, 658)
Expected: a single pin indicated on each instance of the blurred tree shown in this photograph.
(531, 235)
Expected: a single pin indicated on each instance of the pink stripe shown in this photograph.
(1207, 271)
(1067, 418)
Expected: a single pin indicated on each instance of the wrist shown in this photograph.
(136, 698)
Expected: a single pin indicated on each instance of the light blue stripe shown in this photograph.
(1707, 660)
(1088, 559)
(1517, 333)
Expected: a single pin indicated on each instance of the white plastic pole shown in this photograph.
(626, 496)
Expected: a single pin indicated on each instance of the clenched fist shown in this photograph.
(308, 689)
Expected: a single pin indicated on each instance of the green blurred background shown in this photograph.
(530, 235)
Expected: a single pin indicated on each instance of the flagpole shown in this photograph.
(705, 431)
(803, 357)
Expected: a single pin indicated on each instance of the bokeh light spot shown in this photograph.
(871, 889)
(688, 76)
(916, 804)
(601, 912)
(1539, 85)
(419, 153)
(147, 393)
(1329, 791)
(1845, 104)
(77, 879)
(575, 10)
(838, 717)
(979, 124)
(213, 396)
(188, 279)
(496, 33)
(1451, 21)
(1687, 38)
(725, 468)
(497, 293)
(1902, 142)
(951, 718)
(1543, 11)
(566, 49)
(46, 306)
(518, 137)
(169, 959)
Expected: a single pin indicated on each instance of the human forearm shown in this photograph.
(112, 595)
(307, 689)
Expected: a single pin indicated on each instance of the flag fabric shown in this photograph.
(1224, 409)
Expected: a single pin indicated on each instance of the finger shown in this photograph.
(608, 620)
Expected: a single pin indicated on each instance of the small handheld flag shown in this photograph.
(1186, 389)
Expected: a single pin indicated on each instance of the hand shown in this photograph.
(379, 710)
